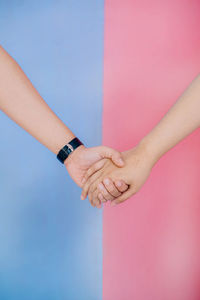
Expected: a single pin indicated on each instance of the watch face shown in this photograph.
(70, 148)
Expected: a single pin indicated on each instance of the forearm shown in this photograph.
(22, 103)
(181, 120)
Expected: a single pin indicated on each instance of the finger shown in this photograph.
(123, 197)
(93, 197)
(114, 155)
(87, 185)
(90, 192)
(93, 169)
(101, 198)
(111, 188)
(121, 186)
(104, 192)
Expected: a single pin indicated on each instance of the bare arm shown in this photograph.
(22, 103)
(181, 120)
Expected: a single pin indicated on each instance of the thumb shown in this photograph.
(114, 155)
(126, 195)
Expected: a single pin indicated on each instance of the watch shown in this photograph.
(68, 149)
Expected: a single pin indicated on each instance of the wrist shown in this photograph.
(145, 151)
(68, 149)
(150, 150)
(74, 155)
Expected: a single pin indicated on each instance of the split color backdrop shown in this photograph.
(110, 69)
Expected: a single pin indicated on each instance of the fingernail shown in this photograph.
(82, 197)
(113, 203)
(118, 183)
(100, 197)
(101, 186)
(83, 180)
(121, 161)
(107, 181)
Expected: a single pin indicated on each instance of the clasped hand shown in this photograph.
(104, 181)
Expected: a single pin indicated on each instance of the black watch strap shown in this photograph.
(67, 149)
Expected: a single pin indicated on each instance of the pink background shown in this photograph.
(151, 243)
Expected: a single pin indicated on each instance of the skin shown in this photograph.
(181, 120)
(102, 185)
(23, 104)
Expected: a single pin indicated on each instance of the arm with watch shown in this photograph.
(182, 119)
(23, 104)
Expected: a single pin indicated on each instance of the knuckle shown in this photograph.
(118, 194)
(106, 192)
(112, 189)
(92, 187)
(110, 195)
(89, 173)
(89, 183)
(114, 193)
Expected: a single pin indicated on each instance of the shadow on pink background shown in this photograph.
(151, 243)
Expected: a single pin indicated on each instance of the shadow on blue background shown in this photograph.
(50, 241)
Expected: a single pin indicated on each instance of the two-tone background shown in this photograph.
(110, 70)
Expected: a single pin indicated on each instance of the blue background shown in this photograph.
(50, 241)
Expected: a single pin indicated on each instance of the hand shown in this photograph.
(83, 158)
(103, 184)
